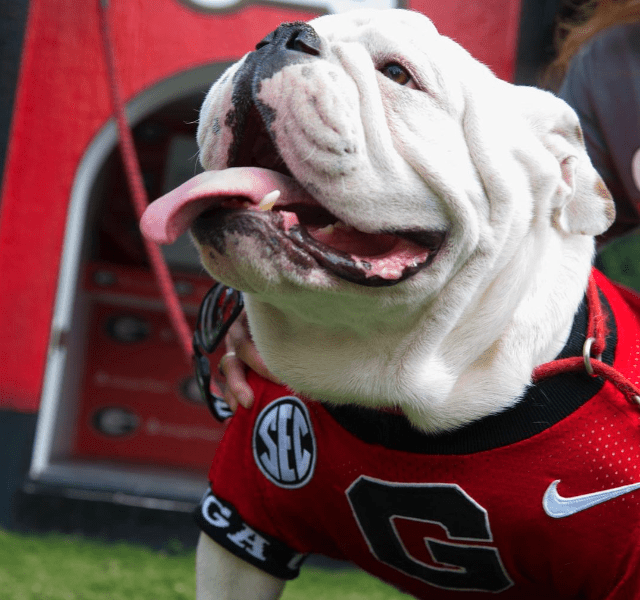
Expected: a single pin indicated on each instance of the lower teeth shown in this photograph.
(328, 230)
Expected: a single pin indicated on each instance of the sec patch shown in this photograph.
(284, 445)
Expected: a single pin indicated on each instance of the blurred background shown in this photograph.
(102, 430)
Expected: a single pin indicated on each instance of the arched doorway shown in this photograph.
(119, 410)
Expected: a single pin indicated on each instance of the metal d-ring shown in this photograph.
(586, 355)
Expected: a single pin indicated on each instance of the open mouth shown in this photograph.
(257, 196)
(311, 235)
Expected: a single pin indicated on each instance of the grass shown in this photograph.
(620, 260)
(57, 567)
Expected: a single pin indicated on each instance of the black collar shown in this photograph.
(542, 406)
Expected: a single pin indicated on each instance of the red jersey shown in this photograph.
(539, 501)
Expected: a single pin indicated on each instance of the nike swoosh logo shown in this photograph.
(558, 507)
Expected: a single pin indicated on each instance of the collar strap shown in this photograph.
(594, 345)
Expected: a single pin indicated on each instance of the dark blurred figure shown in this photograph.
(597, 71)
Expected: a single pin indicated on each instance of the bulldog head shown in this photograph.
(376, 190)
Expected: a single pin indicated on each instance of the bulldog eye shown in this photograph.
(396, 73)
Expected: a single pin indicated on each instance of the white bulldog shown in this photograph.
(410, 232)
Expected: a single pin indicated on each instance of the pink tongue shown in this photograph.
(171, 215)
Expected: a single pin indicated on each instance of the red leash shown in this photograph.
(594, 346)
(138, 192)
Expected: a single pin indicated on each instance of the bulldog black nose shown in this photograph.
(297, 36)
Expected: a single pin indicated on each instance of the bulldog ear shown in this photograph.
(583, 204)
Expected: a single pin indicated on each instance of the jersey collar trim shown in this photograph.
(543, 405)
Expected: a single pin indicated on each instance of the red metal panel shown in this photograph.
(487, 29)
(139, 401)
(62, 101)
